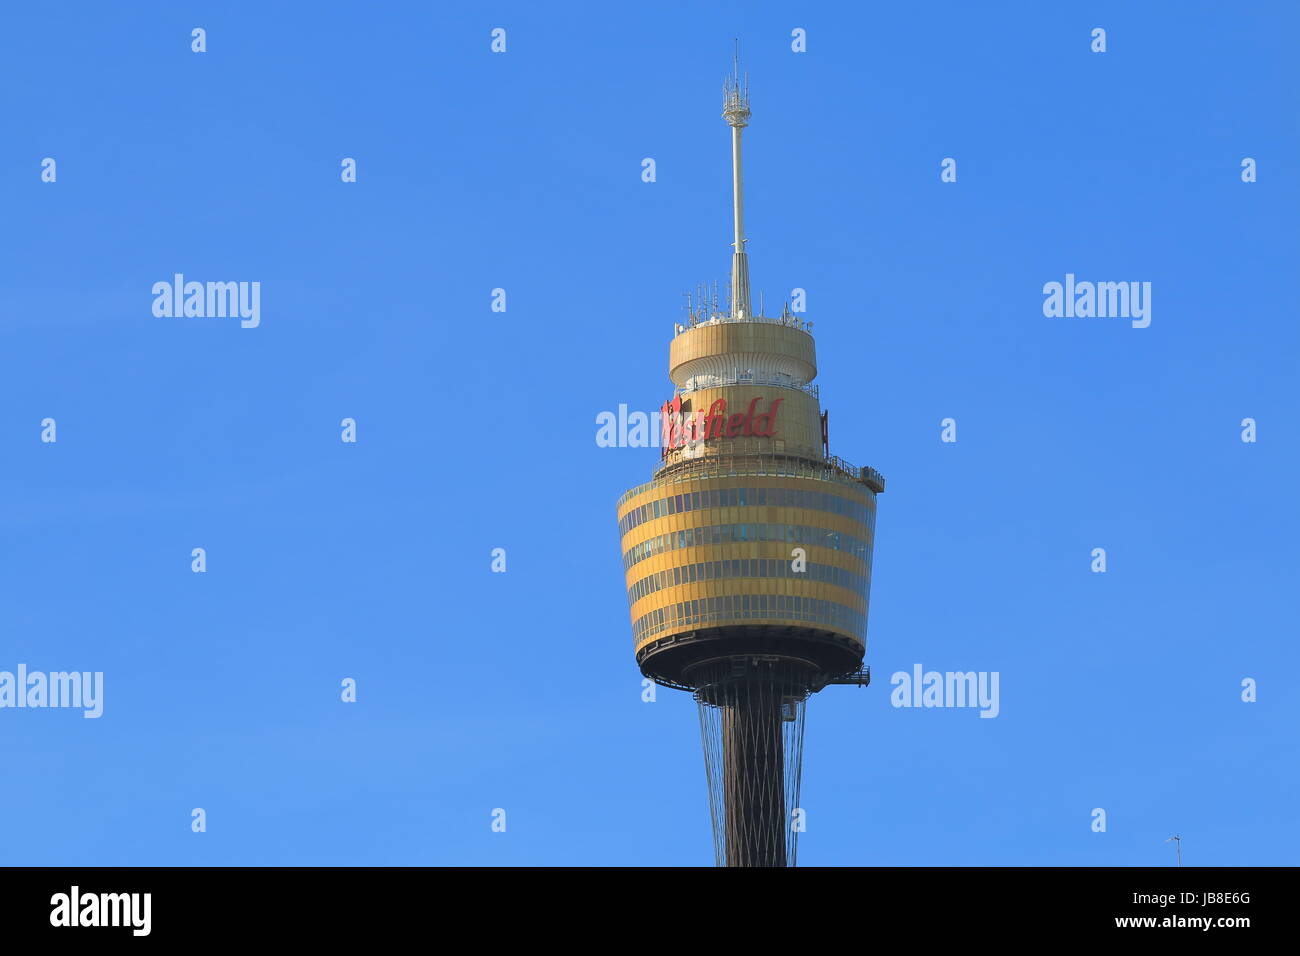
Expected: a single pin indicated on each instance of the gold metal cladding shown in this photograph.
(831, 472)
(705, 348)
(791, 586)
(797, 424)
(753, 550)
(660, 489)
(746, 514)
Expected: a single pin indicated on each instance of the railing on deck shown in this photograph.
(831, 468)
(722, 318)
(715, 381)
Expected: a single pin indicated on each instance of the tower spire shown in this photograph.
(735, 110)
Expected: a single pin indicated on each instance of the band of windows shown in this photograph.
(742, 497)
(733, 533)
(744, 568)
(748, 607)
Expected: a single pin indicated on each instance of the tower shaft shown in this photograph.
(751, 722)
(753, 779)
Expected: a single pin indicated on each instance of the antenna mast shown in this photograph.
(735, 110)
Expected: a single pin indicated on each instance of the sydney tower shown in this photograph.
(748, 556)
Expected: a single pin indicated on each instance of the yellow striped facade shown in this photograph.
(743, 572)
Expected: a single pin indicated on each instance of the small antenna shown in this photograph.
(1178, 844)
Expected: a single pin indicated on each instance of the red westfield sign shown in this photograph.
(702, 425)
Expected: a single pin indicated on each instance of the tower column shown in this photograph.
(753, 777)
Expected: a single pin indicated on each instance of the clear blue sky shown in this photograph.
(477, 429)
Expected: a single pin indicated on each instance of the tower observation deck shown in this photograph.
(748, 555)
